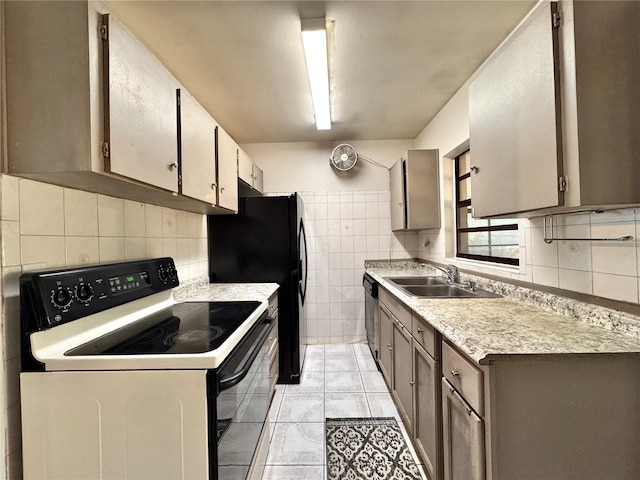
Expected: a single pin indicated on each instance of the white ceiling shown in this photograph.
(393, 64)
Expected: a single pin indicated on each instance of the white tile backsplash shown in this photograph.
(605, 269)
(82, 250)
(45, 226)
(110, 216)
(134, 219)
(41, 209)
(80, 213)
(344, 229)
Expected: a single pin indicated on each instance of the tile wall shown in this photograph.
(343, 229)
(605, 269)
(45, 226)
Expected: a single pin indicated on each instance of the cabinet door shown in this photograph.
(245, 167)
(227, 159)
(427, 415)
(514, 125)
(140, 111)
(198, 156)
(463, 435)
(386, 326)
(396, 183)
(98, 425)
(402, 373)
(258, 178)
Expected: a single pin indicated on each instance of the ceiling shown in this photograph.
(393, 64)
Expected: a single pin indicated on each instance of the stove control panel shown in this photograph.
(52, 298)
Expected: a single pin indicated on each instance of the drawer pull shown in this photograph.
(419, 330)
(455, 373)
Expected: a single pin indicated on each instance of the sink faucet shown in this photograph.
(451, 271)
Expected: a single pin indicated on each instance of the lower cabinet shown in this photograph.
(408, 360)
(427, 427)
(463, 437)
(528, 417)
(273, 344)
(402, 377)
(386, 331)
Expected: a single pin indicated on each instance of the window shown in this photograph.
(493, 240)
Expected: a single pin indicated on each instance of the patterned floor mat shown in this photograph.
(368, 449)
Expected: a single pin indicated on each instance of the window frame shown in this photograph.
(466, 203)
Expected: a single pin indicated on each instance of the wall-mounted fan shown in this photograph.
(344, 157)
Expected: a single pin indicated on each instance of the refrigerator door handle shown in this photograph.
(302, 241)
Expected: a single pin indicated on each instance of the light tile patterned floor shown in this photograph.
(337, 381)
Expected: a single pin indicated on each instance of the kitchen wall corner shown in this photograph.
(45, 226)
(344, 229)
(604, 269)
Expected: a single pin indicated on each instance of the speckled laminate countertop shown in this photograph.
(490, 328)
(200, 290)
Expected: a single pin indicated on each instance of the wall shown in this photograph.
(45, 226)
(605, 269)
(304, 166)
(348, 220)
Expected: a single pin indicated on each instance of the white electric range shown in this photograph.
(121, 381)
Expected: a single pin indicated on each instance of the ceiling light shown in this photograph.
(314, 40)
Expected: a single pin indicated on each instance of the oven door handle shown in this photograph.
(236, 376)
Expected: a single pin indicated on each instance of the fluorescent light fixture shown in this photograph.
(314, 40)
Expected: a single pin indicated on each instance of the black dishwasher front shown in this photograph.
(371, 320)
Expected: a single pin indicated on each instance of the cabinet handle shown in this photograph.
(412, 383)
(420, 330)
(213, 186)
(474, 168)
(173, 165)
(455, 373)
(390, 347)
(221, 189)
(468, 411)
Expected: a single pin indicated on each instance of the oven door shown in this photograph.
(242, 404)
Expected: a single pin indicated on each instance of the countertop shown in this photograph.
(487, 329)
(200, 290)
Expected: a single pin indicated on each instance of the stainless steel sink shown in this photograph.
(437, 287)
(403, 281)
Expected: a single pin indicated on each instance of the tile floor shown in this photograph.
(337, 381)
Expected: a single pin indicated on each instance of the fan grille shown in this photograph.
(344, 157)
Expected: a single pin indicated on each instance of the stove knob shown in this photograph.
(162, 274)
(84, 292)
(61, 298)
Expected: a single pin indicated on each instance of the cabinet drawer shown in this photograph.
(273, 336)
(396, 307)
(424, 334)
(272, 308)
(273, 367)
(464, 376)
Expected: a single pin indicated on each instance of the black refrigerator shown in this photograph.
(266, 242)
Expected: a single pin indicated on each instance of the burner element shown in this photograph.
(194, 336)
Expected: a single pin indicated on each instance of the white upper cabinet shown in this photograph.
(141, 119)
(245, 167)
(89, 107)
(249, 172)
(198, 151)
(413, 182)
(554, 113)
(227, 157)
(513, 124)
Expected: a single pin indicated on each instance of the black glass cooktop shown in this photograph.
(190, 327)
